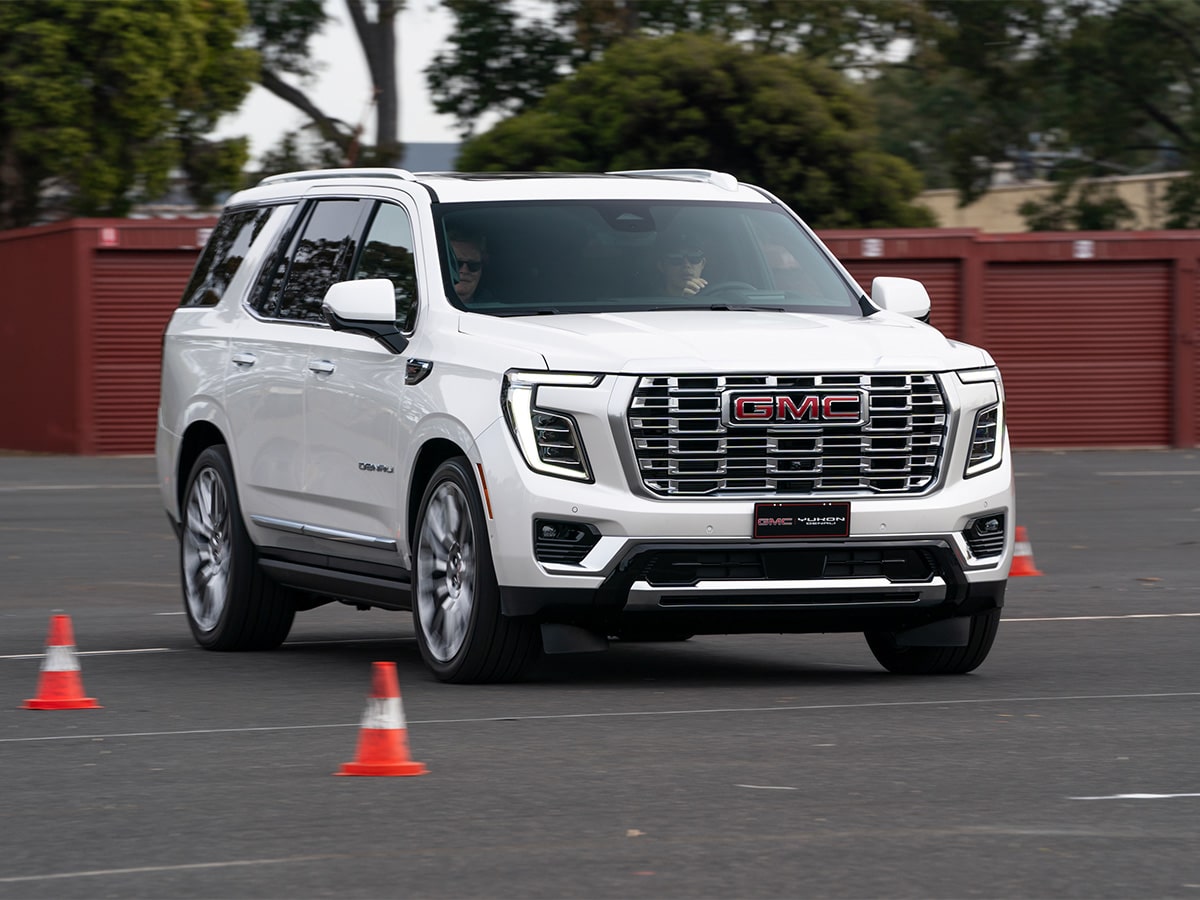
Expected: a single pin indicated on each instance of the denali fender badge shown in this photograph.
(376, 467)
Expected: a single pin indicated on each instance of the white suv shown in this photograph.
(664, 410)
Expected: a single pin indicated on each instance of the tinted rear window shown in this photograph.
(223, 254)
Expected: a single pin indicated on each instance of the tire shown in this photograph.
(462, 635)
(230, 603)
(937, 660)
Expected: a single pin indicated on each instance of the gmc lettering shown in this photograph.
(783, 408)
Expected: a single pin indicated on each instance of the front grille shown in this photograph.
(685, 449)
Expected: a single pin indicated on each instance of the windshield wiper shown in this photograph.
(730, 307)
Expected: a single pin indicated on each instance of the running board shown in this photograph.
(382, 592)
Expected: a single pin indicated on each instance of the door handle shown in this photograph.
(244, 360)
(321, 366)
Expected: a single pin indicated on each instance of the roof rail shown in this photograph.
(313, 174)
(720, 179)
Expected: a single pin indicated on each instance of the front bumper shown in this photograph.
(610, 582)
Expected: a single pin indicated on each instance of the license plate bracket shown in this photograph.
(780, 521)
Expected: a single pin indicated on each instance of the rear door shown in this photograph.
(269, 361)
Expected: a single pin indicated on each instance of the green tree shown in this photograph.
(966, 95)
(1065, 90)
(1078, 206)
(689, 100)
(1183, 202)
(281, 31)
(500, 62)
(100, 101)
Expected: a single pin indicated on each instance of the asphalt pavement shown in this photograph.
(740, 766)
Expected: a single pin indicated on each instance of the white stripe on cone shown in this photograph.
(384, 713)
(60, 659)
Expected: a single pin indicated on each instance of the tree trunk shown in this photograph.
(378, 40)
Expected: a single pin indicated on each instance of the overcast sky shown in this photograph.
(342, 88)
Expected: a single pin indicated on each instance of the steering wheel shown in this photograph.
(721, 287)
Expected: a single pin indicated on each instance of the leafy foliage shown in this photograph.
(688, 100)
(1183, 202)
(1086, 206)
(500, 63)
(1064, 90)
(100, 101)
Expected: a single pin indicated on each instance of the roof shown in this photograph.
(452, 187)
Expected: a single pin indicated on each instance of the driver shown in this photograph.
(681, 262)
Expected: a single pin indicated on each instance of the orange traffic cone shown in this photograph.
(1022, 563)
(60, 686)
(383, 738)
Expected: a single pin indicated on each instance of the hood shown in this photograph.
(728, 341)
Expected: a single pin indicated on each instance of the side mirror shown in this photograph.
(901, 295)
(365, 307)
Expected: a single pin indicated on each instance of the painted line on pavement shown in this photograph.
(1136, 797)
(402, 639)
(1103, 618)
(815, 707)
(92, 873)
(20, 488)
(97, 652)
(1153, 474)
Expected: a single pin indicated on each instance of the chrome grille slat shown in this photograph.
(684, 449)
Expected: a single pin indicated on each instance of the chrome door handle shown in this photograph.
(244, 359)
(321, 366)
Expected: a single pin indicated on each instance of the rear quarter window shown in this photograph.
(223, 255)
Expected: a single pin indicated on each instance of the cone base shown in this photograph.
(399, 768)
(78, 703)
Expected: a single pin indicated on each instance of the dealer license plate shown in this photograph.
(801, 520)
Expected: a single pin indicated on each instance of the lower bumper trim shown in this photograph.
(777, 594)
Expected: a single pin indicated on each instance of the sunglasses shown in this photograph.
(473, 265)
(678, 259)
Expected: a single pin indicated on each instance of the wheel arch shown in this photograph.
(198, 437)
(431, 455)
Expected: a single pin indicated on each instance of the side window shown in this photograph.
(318, 258)
(223, 254)
(388, 253)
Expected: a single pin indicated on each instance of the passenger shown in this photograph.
(785, 270)
(681, 263)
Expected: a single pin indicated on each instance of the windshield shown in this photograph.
(539, 258)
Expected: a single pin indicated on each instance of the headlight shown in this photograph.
(548, 438)
(987, 430)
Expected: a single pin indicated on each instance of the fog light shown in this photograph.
(563, 542)
(985, 535)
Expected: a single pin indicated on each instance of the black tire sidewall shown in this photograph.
(938, 660)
